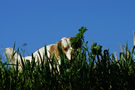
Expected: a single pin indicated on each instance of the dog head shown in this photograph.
(66, 46)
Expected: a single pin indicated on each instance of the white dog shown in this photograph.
(52, 50)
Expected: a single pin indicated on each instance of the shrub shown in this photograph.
(90, 68)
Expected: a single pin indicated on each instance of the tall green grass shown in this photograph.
(91, 68)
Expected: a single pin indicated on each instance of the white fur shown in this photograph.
(13, 56)
(42, 53)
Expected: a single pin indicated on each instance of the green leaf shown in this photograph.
(24, 44)
(68, 70)
(98, 47)
(93, 45)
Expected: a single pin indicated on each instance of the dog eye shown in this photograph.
(65, 49)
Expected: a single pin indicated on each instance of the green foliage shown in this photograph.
(79, 37)
(90, 69)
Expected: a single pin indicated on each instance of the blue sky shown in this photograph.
(39, 22)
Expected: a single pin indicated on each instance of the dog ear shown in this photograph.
(71, 38)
